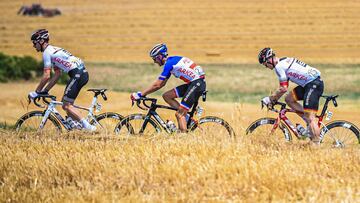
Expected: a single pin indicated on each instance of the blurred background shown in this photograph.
(208, 31)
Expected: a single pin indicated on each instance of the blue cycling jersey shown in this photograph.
(183, 68)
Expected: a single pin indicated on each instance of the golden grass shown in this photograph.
(229, 31)
(78, 167)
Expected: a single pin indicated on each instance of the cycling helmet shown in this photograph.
(40, 34)
(158, 49)
(265, 54)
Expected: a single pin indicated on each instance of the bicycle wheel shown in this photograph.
(340, 134)
(264, 126)
(212, 126)
(107, 122)
(132, 124)
(30, 122)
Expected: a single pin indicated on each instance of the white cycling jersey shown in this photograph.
(296, 71)
(59, 57)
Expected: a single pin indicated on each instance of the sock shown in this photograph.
(85, 123)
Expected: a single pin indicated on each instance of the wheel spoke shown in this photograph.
(32, 123)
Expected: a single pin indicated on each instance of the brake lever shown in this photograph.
(262, 104)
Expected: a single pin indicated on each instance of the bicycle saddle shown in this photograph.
(97, 90)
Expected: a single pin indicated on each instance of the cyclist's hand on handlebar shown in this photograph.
(32, 95)
(135, 96)
(267, 102)
(43, 92)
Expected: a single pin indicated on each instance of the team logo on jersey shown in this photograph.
(189, 73)
(297, 76)
(63, 62)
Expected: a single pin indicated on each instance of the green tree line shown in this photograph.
(14, 68)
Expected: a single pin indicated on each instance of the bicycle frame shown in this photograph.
(51, 109)
(282, 115)
(152, 112)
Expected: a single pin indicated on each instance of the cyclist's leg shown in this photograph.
(171, 95)
(192, 94)
(313, 91)
(72, 91)
(291, 99)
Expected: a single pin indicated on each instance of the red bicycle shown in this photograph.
(338, 133)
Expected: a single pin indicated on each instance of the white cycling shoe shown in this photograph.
(90, 128)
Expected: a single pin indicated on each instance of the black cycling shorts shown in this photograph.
(78, 78)
(310, 93)
(190, 92)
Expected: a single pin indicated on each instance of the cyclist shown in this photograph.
(183, 68)
(310, 87)
(61, 60)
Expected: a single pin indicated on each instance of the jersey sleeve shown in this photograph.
(47, 60)
(281, 74)
(166, 72)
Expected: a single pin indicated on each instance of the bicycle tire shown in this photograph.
(268, 121)
(125, 126)
(107, 122)
(336, 130)
(212, 119)
(34, 127)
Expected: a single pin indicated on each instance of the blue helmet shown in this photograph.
(158, 49)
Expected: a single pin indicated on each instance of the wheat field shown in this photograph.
(114, 37)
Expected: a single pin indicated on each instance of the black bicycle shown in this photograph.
(50, 120)
(151, 123)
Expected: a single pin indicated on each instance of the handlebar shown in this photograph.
(271, 107)
(44, 97)
(143, 101)
(283, 105)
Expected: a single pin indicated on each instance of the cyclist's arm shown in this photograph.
(279, 93)
(45, 78)
(284, 83)
(158, 84)
(54, 79)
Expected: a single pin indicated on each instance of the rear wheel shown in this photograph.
(212, 126)
(264, 126)
(107, 122)
(30, 122)
(132, 125)
(340, 134)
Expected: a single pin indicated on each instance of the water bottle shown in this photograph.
(199, 111)
(73, 124)
(171, 126)
(70, 122)
(301, 130)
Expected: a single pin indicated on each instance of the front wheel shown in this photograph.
(340, 134)
(214, 127)
(265, 126)
(137, 124)
(106, 122)
(31, 122)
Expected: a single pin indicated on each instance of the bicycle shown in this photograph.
(39, 120)
(152, 123)
(339, 132)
